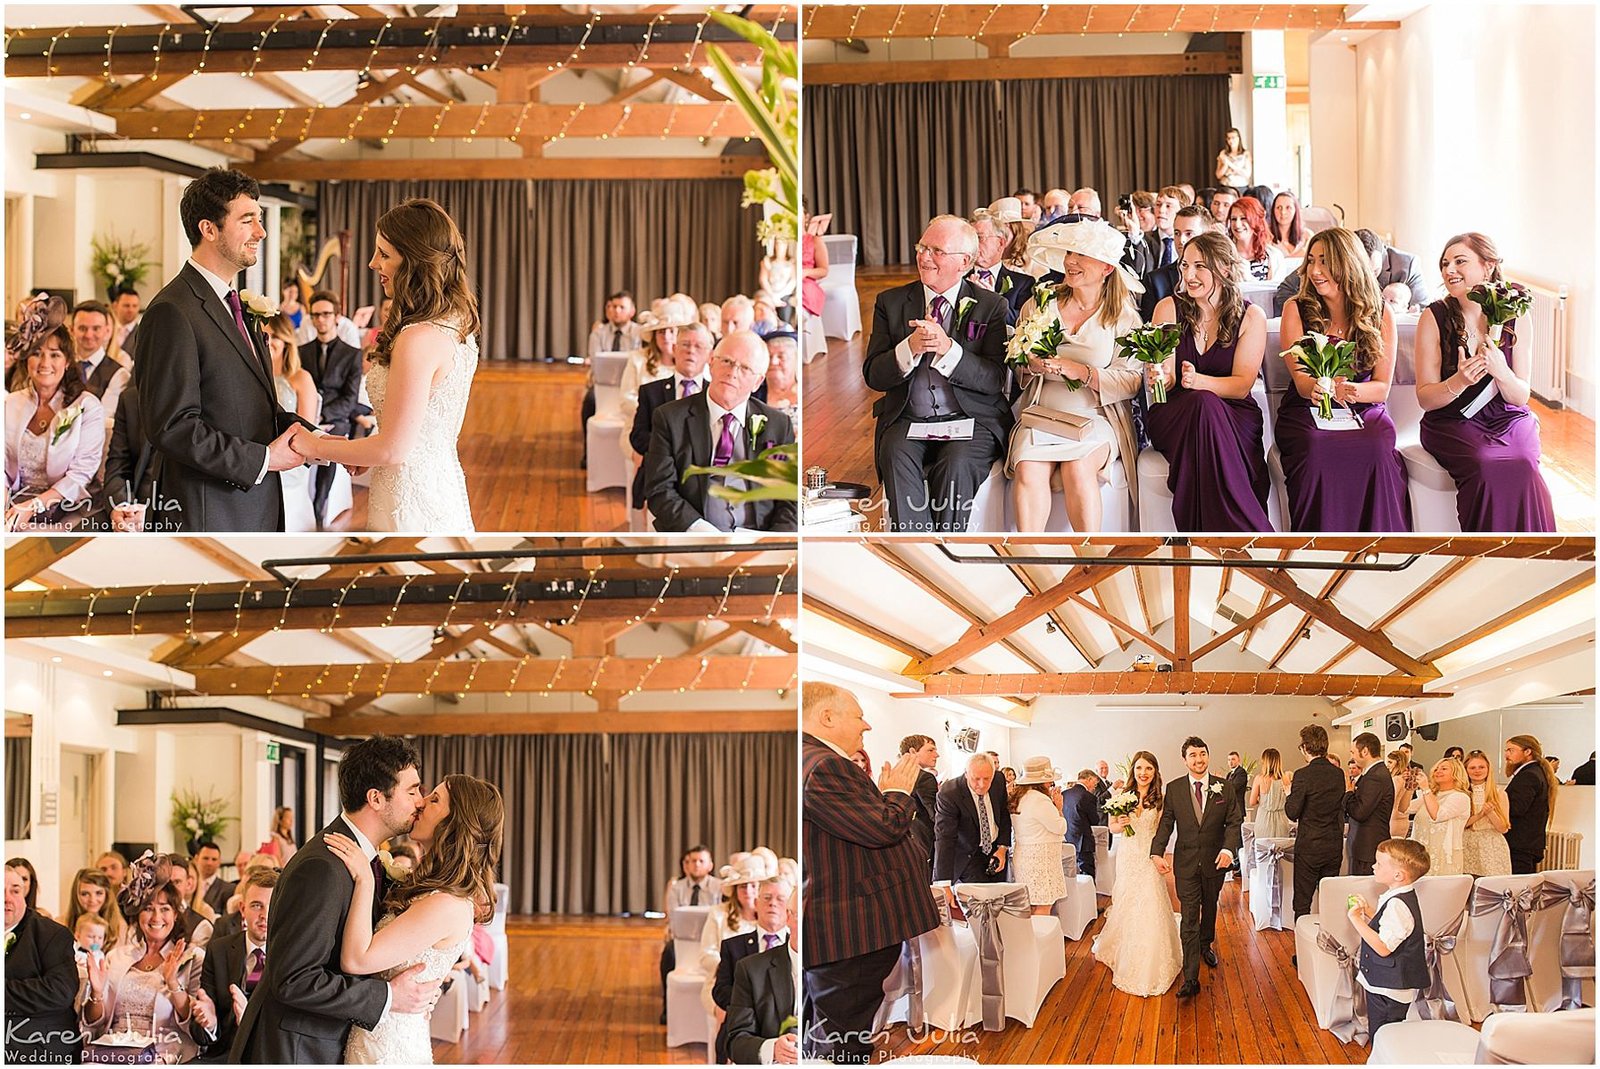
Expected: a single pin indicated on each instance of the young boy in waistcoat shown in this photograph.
(1393, 965)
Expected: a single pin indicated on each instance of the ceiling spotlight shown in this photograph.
(107, 672)
(1371, 557)
(25, 116)
(55, 660)
(1050, 627)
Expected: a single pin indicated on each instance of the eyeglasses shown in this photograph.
(929, 250)
(323, 315)
(734, 365)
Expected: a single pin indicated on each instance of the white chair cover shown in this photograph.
(1325, 945)
(1565, 1038)
(1509, 915)
(1105, 877)
(1272, 883)
(608, 467)
(841, 306)
(688, 924)
(1029, 952)
(1562, 953)
(1444, 911)
(992, 508)
(450, 1014)
(945, 961)
(1076, 909)
(477, 994)
(341, 495)
(500, 968)
(1424, 1043)
(686, 1017)
(608, 368)
(298, 514)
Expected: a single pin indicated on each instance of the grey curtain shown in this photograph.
(886, 158)
(544, 254)
(19, 788)
(596, 823)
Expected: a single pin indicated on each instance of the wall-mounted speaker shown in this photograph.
(1396, 727)
(1429, 732)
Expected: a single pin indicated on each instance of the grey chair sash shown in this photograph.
(1577, 939)
(1268, 854)
(1436, 1003)
(983, 917)
(1349, 997)
(1069, 863)
(1509, 966)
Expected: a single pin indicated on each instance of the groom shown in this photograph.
(1207, 813)
(204, 374)
(304, 1006)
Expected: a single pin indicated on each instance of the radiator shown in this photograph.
(1542, 333)
(1561, 850)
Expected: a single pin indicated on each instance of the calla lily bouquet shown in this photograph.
(1151, 344)
(1122, 805)
(1501, 303)
(1038, 334)
(1324, 360)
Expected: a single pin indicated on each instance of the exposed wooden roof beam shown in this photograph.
(711, 721)
(1578, 582)
(1126, 628)
(28, 557)
(871, 21)
(1411, 600)
(1269, 684)
(1329, 588)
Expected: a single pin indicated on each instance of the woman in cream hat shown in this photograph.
(1037, 827)
(1085, 376)
(658, 333)
(741, 879)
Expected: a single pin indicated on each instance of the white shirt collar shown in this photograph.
(1392, 893)
(832, 747)
(1204, 781)
(740, 415)
(219, 284)
(251, 944)
(94, 358)
(762, 933)
(367, 849)
(949, 295)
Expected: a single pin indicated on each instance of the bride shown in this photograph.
(420, 376)
(1140, 938)
(427, 919)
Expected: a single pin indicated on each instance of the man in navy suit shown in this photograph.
(865, 883)
(690, 356)
(970, 830)
(1082, 810)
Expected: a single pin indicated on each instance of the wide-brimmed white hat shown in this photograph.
(1038, 770)
(758, 865)
(1094, 238)
(1007, 210)
(664, 314)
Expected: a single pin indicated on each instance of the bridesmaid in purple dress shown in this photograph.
(1493, 455)
(1342, 480)
(1209, 428)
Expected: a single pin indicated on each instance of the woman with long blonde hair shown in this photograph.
(1484, 850)
(1440, 817)
(1349, 479)
(419, 380)
(1267, 794)
(428, 917)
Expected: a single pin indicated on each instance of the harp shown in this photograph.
(313, 281)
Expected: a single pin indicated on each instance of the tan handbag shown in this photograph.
(1036, 415)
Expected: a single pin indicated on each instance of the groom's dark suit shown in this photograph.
(929, 485)
(1194, 858)
(210, 408)
(301, 1012)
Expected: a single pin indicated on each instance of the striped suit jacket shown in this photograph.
(866, 883)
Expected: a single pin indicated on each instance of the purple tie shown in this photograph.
(723, 454)
(689, 386)
(984, 278)
(258, 962)
(938, 307)
(238, 315)
(770, 940)
(1199, 801)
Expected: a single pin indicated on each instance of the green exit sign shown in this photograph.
(272, 753)
(1367, 722)
(1269, 81)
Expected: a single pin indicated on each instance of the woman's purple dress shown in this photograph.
(1493, 457)
(1342, 480)
(1216, 468)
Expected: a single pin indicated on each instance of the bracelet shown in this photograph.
(1453, 392)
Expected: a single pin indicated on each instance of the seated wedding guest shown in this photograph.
(813, 262)
(711, 319)
(937, 354)
(124, 317)
(741, 882)
(1441, 811)
(615, 331)
(55, 433)
(1080, 807)
(288, 303)
(970, 831)
(199, 919)
(344, 328)
(1474, 397)
(1341, 479)
(1209, 428)
(1085, 203)
(282, 833)
(92, 894)
(1085, 377)
(717, 426)
(89, 940)
(764, 1000)
(1159, 238)
(657, 330)
(148, 985)
(1037, 828)
(233, 967)
(1001, 261)
(1397, 298)
(296, 389)
(369, 337)
(691, 355)
(213, 890)
(1145, 210)
(738, 313)
(1029, 201)
(1392, 965)
(771, 931)
(1484, 851)
(1288, 231)
(1053, 206)
(783, 362)
(114, 867)
(1220, 201)
(1188, 193)
(131, 476)
(104, 375)
(1233, 162)
(1316, 803)
(763, 314)
(866, 885)
(1188, 222)
(335, 371)
(1530, 801)
(41, 982)
(1247, 226)
(1389, 266)
(695, 887)
(1404, 792)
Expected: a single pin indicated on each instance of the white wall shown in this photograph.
(892, 719)
(1481, 118)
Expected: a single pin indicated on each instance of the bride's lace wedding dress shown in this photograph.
(1140, 939)
(402, 1038)
(428, 490)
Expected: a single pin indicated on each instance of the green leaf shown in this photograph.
(762, 121)
(774, 479)
(773, 51)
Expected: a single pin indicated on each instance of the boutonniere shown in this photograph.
(257, 306)
(964, 309)
(1216, 790)
(758, 423)
(64, 422)
(390, 869)
(11, 941)
(1007, 283)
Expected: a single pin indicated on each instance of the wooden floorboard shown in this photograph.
(838, 420)
(582, 990)
(1084, 1020)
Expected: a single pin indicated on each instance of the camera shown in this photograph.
(1125, 202)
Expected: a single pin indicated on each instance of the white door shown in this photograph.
(77, 813)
